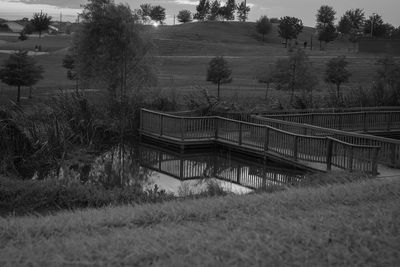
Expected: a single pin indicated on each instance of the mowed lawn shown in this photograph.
(353, 224)
(185, 50)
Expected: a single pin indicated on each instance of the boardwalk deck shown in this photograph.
(321, 153)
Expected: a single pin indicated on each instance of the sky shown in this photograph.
(303, 9)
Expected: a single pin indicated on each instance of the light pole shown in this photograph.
(372, 23)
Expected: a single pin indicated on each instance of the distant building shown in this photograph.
(381, 46)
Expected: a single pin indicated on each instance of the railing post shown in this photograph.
(182, 132)
(389, 121)
(216, 120)
(350, 160)
(141, 119)
(329, 152)
(161, 124)
(393, 155)
(295, 147)
(365, 122)
(240, 133)
(375, 161)
(340, 121)
(266, 138)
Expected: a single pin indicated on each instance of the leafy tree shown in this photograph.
(396, 33)
(203, 10)
(289, 28)
(327, 34)
(325, 24)
(295, 74)
(22, 36)
(243, 11)
(227, 12)
(184, 16)
(111, 49)
(376, 24)
(387, 82)
(218, 72)
(351, 24)
(29, 28)
(144, 12)
(41, 22)
(157, 13)
(337, 73)
(69, 63)
(20, 70)
(263, 26)
(214, 10)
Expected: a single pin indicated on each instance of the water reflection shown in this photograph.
(185, 173)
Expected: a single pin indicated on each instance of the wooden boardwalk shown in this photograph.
(309, 151)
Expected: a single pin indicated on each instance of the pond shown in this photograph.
(183, 173)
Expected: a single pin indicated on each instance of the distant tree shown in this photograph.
(41, 22)
(227, 12)
(274, 20)
(295, 74)
(20, 70)
(386, 86)
(214, 10)
(263, 26)
(144, 12)
(184, 16)
(157, 14)
(69, 63)
(337, 73)
(396, 33)
(376, 24)
(327, 34)
(22, 36)
(203, 10)
(111, 51)
(325, 24)
(218, 72)
(289, 28)
(351, 24)
(243, 11)
(29, 28)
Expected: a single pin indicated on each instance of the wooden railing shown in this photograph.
(262, 138)
(184, 167)
(366, 121)
(389, 153)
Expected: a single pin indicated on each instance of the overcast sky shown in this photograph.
(303, 9)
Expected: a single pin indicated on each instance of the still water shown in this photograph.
(183, 173)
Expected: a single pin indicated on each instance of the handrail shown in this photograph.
(319, 128)
(390, 148)
(284, 143)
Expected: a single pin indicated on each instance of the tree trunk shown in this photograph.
(266, 92)
(338, 91)
(286, 43)
(19, 93)
(263, 37)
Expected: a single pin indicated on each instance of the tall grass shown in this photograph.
(44, 134)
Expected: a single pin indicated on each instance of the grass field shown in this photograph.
(353, 224)
(185, 50)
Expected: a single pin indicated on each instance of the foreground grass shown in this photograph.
(346, 224)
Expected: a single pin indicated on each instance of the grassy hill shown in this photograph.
(185, 50)
(339, 225)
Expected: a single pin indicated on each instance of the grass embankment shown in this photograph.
(185, 51)
(346, 224)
